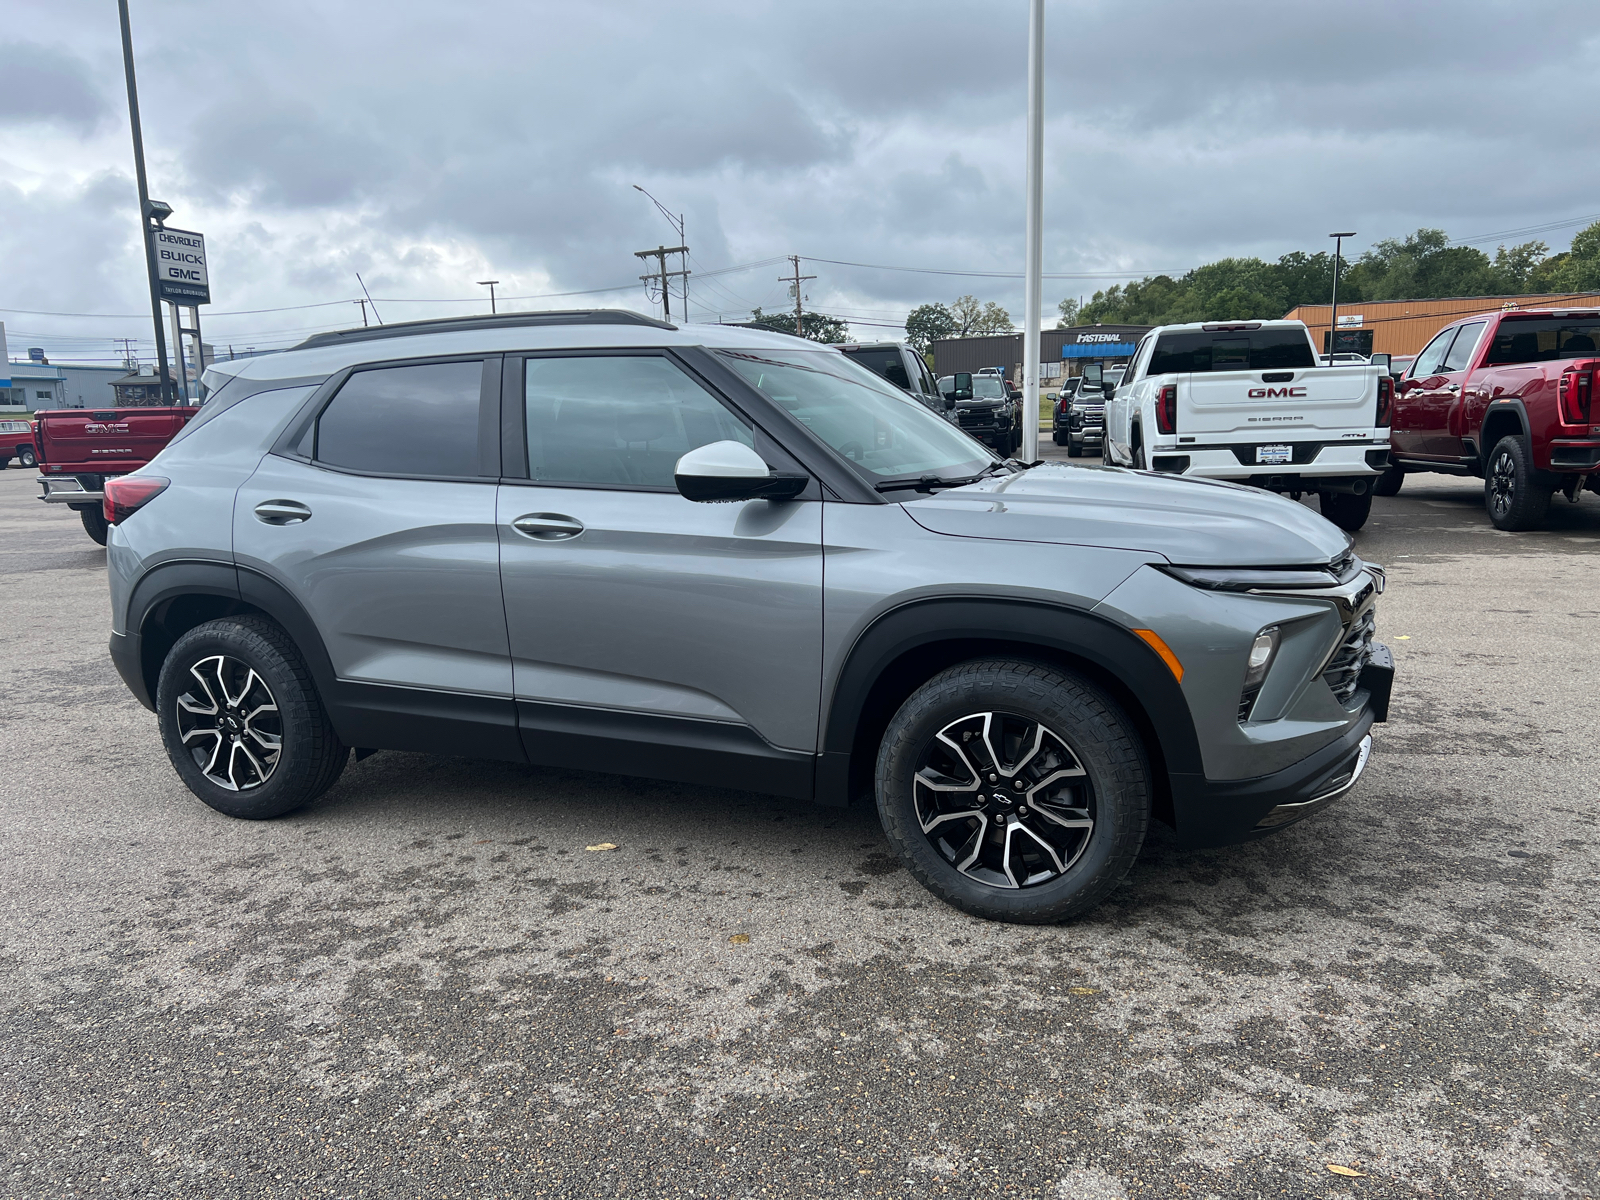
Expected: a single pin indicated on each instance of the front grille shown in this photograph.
(1344, 669)
(983, 418)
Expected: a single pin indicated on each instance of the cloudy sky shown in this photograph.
(428, 146)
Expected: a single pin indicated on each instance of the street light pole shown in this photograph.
(144, 201)
(1333, 318)
(677, 224)
(488, 283)
(1034, 270)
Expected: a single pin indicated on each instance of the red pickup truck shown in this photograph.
(78, 449)
(1507, 397)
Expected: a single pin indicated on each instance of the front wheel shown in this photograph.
(242, 722)
(1388, 484)
(1515, 500)
(1014, 791)
(27, 458)
(1344, 510)
(1074, 449)
(94, 523)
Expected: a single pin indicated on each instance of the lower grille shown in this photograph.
(1344, 669)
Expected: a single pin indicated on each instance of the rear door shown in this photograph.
(639, 618)
(379, 520)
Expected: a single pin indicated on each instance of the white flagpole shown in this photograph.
(1034, 271)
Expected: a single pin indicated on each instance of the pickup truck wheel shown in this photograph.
(242, 722)
(1138, 459)
(1516, 502)
(94, 523)
(1346, 511)
(1388, 484)
(1014, 791)
(1062, 438)
(27, 458)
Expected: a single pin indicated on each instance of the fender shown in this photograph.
(1497, 408)
(138, 654)
(868, 690)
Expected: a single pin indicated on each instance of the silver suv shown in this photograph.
(729, 557)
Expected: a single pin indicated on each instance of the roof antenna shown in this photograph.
(368, 295)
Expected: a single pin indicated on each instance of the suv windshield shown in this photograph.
(1232, 350)
(880, 429)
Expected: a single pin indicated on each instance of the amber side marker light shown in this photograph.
(1161, 648)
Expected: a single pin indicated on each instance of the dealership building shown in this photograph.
(1062, 352)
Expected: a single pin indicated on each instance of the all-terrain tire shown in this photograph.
(1061, 438)
(1099, 734)
(94, 523)
(1388, 484)
(311, 757)
(1344, 510)
(1074, 449)
(1513, 492)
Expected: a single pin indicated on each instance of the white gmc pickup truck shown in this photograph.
(1250, 402)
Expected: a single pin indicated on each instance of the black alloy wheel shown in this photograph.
(242, 722)
(1514, 498)
(1013, 790)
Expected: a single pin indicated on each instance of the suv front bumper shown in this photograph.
(1225, 812)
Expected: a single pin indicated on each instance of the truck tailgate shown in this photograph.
(1240, 405)
(107, 439)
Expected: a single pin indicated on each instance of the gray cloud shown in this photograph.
(420, 144)
(48, 85)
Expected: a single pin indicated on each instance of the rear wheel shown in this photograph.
(94, 523)
(1388, 484)
(27, 458)
(242, 722)
(1014, 791)
(1062, 438)
(1344, 510)
(1515, 498)
(1138, 459)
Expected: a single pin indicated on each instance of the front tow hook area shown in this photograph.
(1341, 781)
(1377, 679)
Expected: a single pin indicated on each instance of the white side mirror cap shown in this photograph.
(722, 460)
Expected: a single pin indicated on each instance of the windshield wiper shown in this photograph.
(928, 482)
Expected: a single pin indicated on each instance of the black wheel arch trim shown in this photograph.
(1114, 657)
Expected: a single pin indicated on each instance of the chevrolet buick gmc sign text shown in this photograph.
(181, 266)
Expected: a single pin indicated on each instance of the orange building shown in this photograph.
(1404, 326)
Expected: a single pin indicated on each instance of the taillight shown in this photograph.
(1167, 409)
(1385, 399)
(1575, 389)
(38, 442)
(127, 494)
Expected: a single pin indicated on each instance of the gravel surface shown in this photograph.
(426, 985)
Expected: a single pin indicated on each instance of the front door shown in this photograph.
(650, 634)
(1424, 406)
(1439, 413)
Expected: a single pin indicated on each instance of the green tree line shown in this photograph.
(1424, 266)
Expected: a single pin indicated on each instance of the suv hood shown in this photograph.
(1193, 522)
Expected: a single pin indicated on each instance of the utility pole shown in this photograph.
(1033, 270)
(677, 227)
(363, 304)
(794, 282)
(489, 283)
(660, 255)
(145, 208)
(1333, 318)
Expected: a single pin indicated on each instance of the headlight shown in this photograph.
(1262, 651)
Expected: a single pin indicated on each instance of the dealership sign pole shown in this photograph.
(144, 198)
(1034, 271)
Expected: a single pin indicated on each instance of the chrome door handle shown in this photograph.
(547, 527)
(1452, 387)
(282, 512)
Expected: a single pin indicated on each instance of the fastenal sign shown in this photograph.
(181, 266)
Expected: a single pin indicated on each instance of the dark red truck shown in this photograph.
(80, 448)
(1508, 397)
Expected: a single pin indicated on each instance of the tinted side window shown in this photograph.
(420, 420)
(1231, 350)
(623, 419)
(885, 362)
(1521, 340)
(1432, 355)
(1461, 349)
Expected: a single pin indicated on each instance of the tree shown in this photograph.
(1574, 270)
(1068, 309)
(816, 327)
(928, 323)
(972, 318)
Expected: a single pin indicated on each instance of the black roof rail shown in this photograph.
(584, 316)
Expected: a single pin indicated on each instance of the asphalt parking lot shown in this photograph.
(425, 985)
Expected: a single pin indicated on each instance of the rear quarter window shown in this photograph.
(1232, 350)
